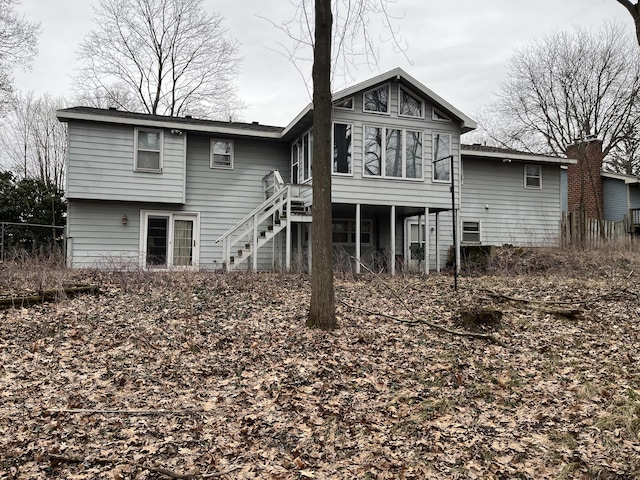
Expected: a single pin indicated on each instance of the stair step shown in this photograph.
(232, 259)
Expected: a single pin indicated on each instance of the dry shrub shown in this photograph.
(568, 262)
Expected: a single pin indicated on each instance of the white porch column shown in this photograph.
(288, 232)
(393, 239)
(254, 250)
(426, 241)
(358, 238)
(437, 241)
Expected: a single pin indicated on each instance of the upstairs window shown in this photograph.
(376, 100)
(442, 157)
(342, 158)
(439, 116)
(148, 154)
(345, 103)
(392, 153)
(409, 105)
(302, 158)
(221, 154)
(532, 176)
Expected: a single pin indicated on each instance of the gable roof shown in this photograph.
(466, 123)
(508, 154)
(163, 121)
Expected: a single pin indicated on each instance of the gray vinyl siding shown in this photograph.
(101, 166)
(615, 199)
(98, 238)
(493, 193)
(223, 197)
(358, 188)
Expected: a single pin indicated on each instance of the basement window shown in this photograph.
(470, 232)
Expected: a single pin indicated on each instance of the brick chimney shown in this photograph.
(584, 181)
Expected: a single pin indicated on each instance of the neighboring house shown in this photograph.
(168, 192)
(600, 194)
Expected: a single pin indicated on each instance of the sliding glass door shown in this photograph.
(169, 240)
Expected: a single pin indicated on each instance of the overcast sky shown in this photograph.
(459, 49)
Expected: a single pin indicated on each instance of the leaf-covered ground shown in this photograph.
(189, 375)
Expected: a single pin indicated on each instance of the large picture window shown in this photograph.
(392, 153)
(148, 153)
(342, 157)
(442, 157)
(376, 100)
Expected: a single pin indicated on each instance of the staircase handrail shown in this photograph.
(255, 211)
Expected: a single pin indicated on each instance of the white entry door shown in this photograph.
(169, 240)
(414, 247)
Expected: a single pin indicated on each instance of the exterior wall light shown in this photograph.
(125, 220)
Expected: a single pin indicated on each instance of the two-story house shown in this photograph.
(176, 192)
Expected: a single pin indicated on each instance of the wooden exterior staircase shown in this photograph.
(284, 204)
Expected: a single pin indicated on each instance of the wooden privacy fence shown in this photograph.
(577, 230)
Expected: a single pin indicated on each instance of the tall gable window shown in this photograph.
(392, 153)
(442, 157)
(221, 153)
(302, 158)
(342, 158)
(376, 100)
(532, 176)
(148, 153)
(409, 105)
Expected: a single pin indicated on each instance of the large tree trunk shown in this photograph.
(322, 308)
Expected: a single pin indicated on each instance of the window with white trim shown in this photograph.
(470, 232)
(438, 116)
(409, 105)
(221, 153)
(345, 103)
(392, 153)
(533, 176)
(148, 151)
(442, 157)
(376, 100)
(342, 157)
(302, 158)
(344, 232)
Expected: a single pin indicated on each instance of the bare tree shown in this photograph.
(335, 35)
(18, 45)
(34, 142)
(567, 87)
(172, 56)
(322, 306)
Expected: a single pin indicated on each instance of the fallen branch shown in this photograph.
(540, 305)
(56, 459)
(124, 412)
(46, 296)
(435, 326)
